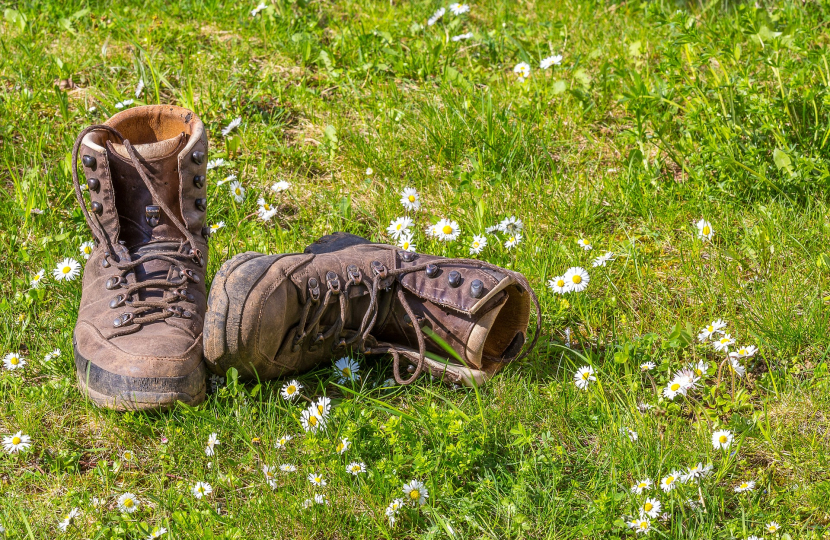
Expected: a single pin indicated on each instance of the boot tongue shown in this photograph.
(154, 268)
(140, 217)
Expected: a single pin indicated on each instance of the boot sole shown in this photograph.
(225, 304)
(122, 393)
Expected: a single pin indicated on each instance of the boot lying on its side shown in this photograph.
(138, 339)
(275, 315)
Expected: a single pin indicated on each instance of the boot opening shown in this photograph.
(499, 334)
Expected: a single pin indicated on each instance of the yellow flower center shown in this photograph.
(237, 191)
(37, 277)
(312, 420)
(398, 226)
(15, 440)
(560, 283)
(282, 441)
(586, 375)
(411, 198)
(406, 245)
(447, 229)
(128, 503)
(512, 238)
(669, 480)
(346, 372)
(698, 372)
(648, 506)
(414, 494)
(320, 410)
(675, 387)
(475, 244)
(723, 439)
(202, 490)
(644, 524)
(710, 329)
(66, 269)
(87, 250)
(14, 361)
(744, 485)
(291, 389)
(339, 447)
(577, 279)
(742, 352)
(706, 230)
(641, 485)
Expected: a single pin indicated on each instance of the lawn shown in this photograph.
(646, 118)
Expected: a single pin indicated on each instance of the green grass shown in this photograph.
(660, 114)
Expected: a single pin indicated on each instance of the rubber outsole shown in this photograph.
(122, 393)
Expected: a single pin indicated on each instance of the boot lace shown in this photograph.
(147, 310)
(338, 295)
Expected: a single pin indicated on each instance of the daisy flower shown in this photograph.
(369, 171)
(139, 88)
(677, 386)
(554, 60)
(513, 241)
(399, 226)
(393, 509)
(128, 503)
(735, 365)
(772, 527)
(668, 483)
(715, 327)
(157, 533)
(86, 249)
(697, 472)
(311, 422)
(583, 377)
(522, 69)
(632, 435)
(415, 492)
(317, 479)
(355, 468)
(216, 226)
(347, 369)
(558, 285)
(461, 37)
(265, 211)
(647, 366)
(270, 475)
(342, 446)
(478, 244)
(436, 16)
(16, 443)
(256, 10)
(406, 242)
(458, 9)
(128, 455)
(201, 489)
(237, 191)
(721, 439)
(699, 369)
(745, 486)
(704, 230)
(723, 343)
(744, 352)
(585, 244)
(216, 163)
(229, 178)
(66, 270)
(602, 260)
(640, 526)
(287, 467)
(282, 441)
(13, 361)
(231, 126)
(69, 519)
(125, 103)
(511, 225)
(651, 508)
(410, 199)
(322, 406)
(291, 390)
(577, 279)
(37, 279)
(642, 485)
(279, 187)
(320, 499)
(213, 440)
(447, 230)
(52, 355)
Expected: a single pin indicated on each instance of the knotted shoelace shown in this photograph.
(362, 339)
(147, 310)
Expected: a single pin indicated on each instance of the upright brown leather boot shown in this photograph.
(138, 340)
(275, 315)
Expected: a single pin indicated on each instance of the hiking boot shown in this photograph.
(275, 315)
(138, 340)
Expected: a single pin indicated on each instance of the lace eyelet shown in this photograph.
(118, 301)
(333, 283)
(314, 289)
(123, 320)
(114, 282)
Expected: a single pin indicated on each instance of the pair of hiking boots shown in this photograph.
(147, 331)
